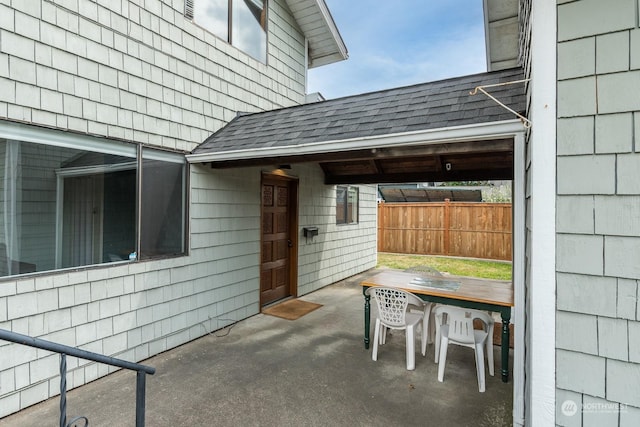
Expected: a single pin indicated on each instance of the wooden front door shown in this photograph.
(278, 267)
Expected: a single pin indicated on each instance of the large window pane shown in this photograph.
(242, 23)
(213, 16)
(68, 200)
(63, 207)
(248, 29)
(163, 204)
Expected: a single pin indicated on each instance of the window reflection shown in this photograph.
(347, 201)
(213, 15)
(239, 22)
(163, 206)
(69, 206)
(248, 26)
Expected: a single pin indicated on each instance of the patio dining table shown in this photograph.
(480, 294)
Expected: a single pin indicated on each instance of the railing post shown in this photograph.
(140, 398)
(63, 350)
(63, 390)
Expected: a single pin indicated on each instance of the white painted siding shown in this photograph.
(338, 251)
(598, 231)
(144, 74)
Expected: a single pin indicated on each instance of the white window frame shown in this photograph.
(349, 189)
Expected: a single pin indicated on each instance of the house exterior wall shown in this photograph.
(597, 217)
(139, 72)
(338, 251)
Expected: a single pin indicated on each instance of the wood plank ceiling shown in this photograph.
(463, 161)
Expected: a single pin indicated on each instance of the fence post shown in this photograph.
(381, 224)
(447, 226)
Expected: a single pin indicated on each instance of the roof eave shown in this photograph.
(319, 61)
(477, 131)
(501, 33)
(321, 19)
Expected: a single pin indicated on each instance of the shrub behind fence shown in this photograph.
(476, 230)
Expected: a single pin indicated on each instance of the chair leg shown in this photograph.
(490, 357)
(376, 337)
(432, 323)
(425, 334)
(443, 358)
(480, 366)
(411, 348)
(437, 343)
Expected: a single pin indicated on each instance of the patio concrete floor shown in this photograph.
(314, 371)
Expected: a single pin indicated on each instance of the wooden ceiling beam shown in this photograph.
(462, 148)
(431, 176)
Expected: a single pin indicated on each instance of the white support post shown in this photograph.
(541, 284)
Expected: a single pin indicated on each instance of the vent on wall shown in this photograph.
(188, 9)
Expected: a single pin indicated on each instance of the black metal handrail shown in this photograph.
(65, 350)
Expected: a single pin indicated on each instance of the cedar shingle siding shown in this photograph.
(598, 211)
(143, 73)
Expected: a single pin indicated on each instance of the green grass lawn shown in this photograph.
(484, 269)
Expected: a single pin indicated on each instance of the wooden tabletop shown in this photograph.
(462, 288)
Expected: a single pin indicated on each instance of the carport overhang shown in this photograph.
(481, 151)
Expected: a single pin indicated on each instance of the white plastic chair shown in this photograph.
(488, 325)
(459, 330)
(393, 313)
(423, 308)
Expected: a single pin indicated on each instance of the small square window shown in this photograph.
(347, 201)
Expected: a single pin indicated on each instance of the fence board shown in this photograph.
(477, 230)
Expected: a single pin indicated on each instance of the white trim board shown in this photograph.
(542, 279)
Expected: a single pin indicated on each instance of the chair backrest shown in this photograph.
(392, 305)
(483, 316)
(460, 321)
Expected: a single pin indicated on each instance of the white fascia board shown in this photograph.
(333, 28)
(321, 30)
(319, 61)
(490, 130)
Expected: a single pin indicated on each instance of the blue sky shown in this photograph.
(402, 42)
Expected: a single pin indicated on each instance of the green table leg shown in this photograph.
(506, 318)
(367, 317)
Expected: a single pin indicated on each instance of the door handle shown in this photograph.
(290, 243)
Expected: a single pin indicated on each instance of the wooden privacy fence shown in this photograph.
(476, 230)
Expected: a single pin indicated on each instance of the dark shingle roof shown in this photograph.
(434, 105)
